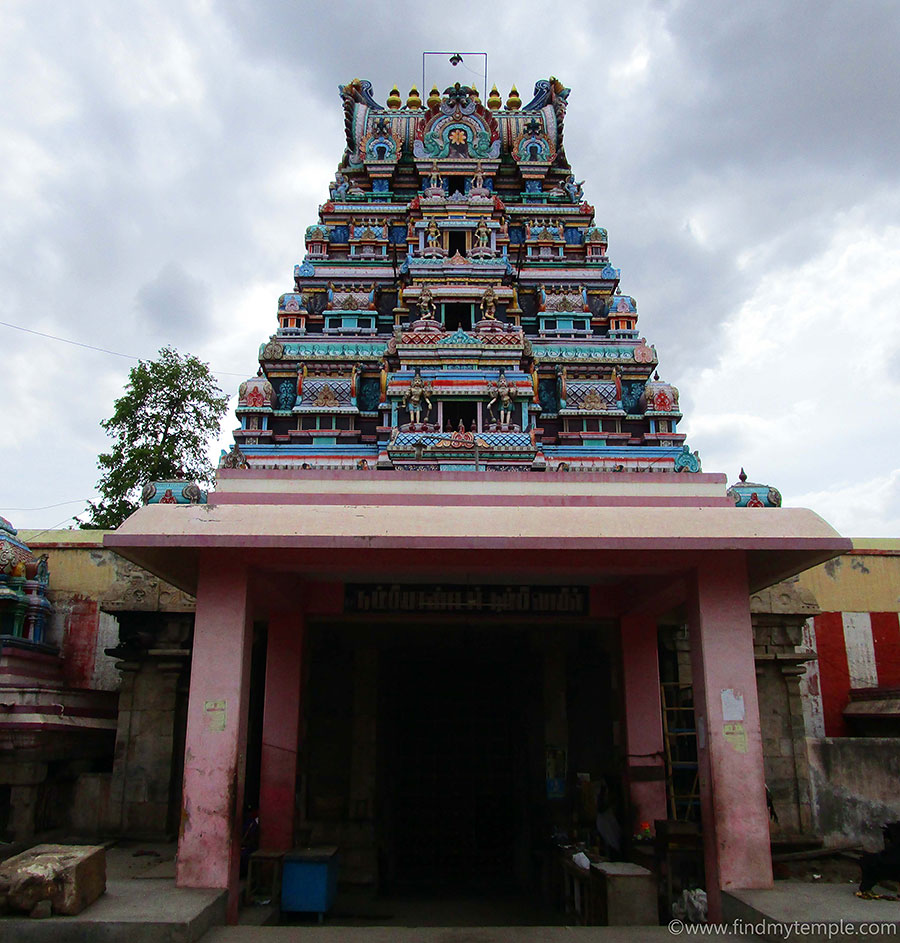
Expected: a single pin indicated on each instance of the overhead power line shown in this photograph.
(102, 350)
(46, 507)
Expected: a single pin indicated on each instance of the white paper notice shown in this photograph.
(732, 706)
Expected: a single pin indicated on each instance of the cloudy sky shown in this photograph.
(160, 161)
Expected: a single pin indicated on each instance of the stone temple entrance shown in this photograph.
(288, 551)
(455, 769)
(424, 755)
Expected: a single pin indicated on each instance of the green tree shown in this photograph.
(161, 429)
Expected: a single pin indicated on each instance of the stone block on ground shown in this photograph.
(624, 894)
(70, 877)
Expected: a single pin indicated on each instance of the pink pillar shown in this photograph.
(281, 723)
(732, 780)
(643, 718)
(216, 742)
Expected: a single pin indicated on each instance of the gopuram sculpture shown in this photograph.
(456, 277)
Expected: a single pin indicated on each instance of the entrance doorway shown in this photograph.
(455, 770)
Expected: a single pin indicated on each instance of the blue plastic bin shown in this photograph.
(309, 880)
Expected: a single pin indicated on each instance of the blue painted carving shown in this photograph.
(583, 352)
(516, 235)
(686, 460)
(610, 272)
(369, 394)
(547, 395)
(460, 339)
(631, 395)
(326, 351)
(451, 137)
(543, 94)
(532, 186)
(376, 231)
(363, 89)
(753, 494)
(381, 185)
(287, 394)
(305, 270)
(573, 236)
(397, 235)
(340, 233)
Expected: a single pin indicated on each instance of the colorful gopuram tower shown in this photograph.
(456, 314)
(456, 308)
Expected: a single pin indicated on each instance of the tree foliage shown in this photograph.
(161, 429)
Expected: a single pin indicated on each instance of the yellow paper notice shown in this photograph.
(215, 712)
(736, 735)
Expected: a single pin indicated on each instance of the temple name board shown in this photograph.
(397, 597)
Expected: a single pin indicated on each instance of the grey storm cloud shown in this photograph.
(161, 161)
(175, 302)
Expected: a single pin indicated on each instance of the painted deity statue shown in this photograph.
(482, 233)
(489, 304)
(432, 233)
(574, 188)
(434, 178)
(340, 187)
(503, 393)
(414, 397)
(426, 304)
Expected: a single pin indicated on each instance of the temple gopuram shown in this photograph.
(444, 673)
(456, 308)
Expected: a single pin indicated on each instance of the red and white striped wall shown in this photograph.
(855, 650)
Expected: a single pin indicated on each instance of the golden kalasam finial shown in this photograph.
(434, 97)
(475, 93)
(494, 102)
(513, 103)
(394, 101)
(414, 100)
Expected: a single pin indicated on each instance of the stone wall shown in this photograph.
(855, 785)
(779, 614)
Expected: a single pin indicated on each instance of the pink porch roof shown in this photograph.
(597, 524)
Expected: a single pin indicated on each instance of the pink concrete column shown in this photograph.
(643, 718)
(281, 724)
(732, 780)
(216, 740)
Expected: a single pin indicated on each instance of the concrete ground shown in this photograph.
(330, 934)
(834, 911)
(141, 905)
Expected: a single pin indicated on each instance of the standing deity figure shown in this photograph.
(434, 178)
(426, 304)
(478, 180)
(503, 393)
(301, 376)
(412, 399)
(482, 233)
(489, 304)
(383, 381)
(432, 233)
